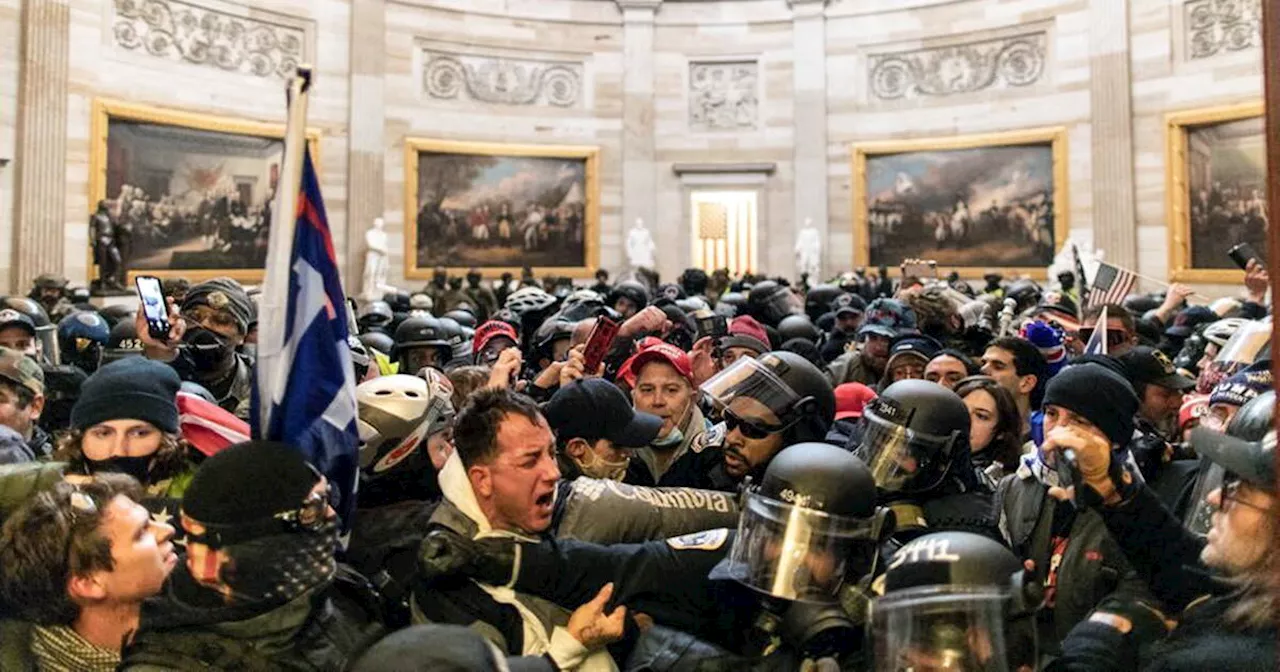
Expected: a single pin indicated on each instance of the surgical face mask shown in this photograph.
(137, 467)
(594, 466)
(673, 438)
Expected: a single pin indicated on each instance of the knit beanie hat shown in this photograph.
(134, 388)
(1099, 395)
(1049, 340)
(228, 488)
(226, 295)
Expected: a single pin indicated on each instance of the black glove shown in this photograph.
(446, 554)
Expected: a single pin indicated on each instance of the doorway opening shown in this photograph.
(724, 230)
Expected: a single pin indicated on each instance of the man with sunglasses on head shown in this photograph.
(1223, 584)
(260, 588)
(76, 563)
(1122, 331)
(203, 338)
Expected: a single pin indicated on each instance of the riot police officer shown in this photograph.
(916, 443)
(421, 341)
(770, 302)
(765, 596)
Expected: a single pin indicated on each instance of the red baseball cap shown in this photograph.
(851, 398)
(746, 332)
(651, 350)
(1194, 407)
(491, 330)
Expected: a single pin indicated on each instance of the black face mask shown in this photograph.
(205, 350)
(137, 467)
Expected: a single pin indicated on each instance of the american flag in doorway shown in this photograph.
(1110, 285)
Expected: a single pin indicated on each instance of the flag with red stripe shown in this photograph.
(1110, 285)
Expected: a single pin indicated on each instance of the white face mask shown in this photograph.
(676, 436)
(595, 466)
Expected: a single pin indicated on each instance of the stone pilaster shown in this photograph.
(366, 184)
(639, 173)
(42, 141)
(809, 39)
(1115, 224)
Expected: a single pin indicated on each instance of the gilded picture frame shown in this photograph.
(159, 123)
(501, 192)
(1184, 218)
(926, 213)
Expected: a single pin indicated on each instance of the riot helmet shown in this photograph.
(812, 513)
(117, 313)
(376, 340)
(395, 417)
(1025, 293)
(1249, 341)
(789, 386)
(122, 342)
(463, 317)
(581, 304)
(770, 302)
(360, 357)
(798, 326)
(732, 304)
(456, 335)
(46, 332)
(913, 434)
(694, 281)
(1250, 424)
(420, 302)
(818, 299)
(398, 300)
(545, 338)
(634, 292)
(417, 336)
(374, 315)
(955, 601)
(81, 337)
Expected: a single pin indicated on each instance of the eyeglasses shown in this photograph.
(1114, 336)
(81, 505)
(749, 429)
(1230, 496)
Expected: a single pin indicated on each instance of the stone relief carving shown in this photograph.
(723, 96)
(1009, 62)
(1218, 26)
(190, 33)
(503, 81)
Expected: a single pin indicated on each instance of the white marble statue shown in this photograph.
(375, 261)
(640, 246)
(809, 250)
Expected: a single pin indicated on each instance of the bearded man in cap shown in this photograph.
(202, 345)
(258, 588)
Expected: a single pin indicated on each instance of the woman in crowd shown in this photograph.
(994, 427)
(126, 421)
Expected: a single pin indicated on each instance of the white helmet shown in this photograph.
(529, 299)
(420, 301)
(1221, 331)
(395, 414)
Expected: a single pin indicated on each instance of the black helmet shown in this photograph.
(1025, 292)
(456, 335)
(1247, 431)
(670, 291)
(29, 307)
(798, 326)
(770, 302)
(731, 304)
(1254, 419)
(123, 342)
(917, 423)
(81, 337)
(959, 601)
(544, 339)
(694, 281)
(422, 331)
(398, 300)
(376, 340)
(630, 290)
(117, 313)
(817, 300)
(463, 317)
(789, 385)
(375, 315)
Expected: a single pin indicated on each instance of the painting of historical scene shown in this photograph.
(496, 211)
(186, 199)
(979, 207)
(1227, 182)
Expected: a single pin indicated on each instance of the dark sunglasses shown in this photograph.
(1114, 336)
(747, 428)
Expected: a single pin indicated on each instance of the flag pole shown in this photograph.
(284, 216)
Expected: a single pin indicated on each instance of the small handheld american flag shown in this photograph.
(1110, 285)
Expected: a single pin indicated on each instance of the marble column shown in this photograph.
(809, 40)
(639, 173)
(1115, 223)
(41, 160)
(366, 184)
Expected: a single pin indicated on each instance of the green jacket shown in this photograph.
(18, 482)
(15, 646)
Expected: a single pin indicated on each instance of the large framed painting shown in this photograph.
(1216, 190)
(973, 204)
(189, 195)
(499, 207)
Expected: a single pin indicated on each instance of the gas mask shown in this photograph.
(594, 466)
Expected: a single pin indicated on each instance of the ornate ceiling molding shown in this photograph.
(1214, 27)
(1015, 61)
(186, 32)
(502, 80)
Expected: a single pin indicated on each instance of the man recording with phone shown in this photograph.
(204, 333)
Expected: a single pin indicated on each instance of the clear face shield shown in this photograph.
(795, 553)
(47, 338)
(902, 460)
(1236, 354)
(951, 629)
(748, 378)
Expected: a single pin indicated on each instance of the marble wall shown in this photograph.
(794, 85)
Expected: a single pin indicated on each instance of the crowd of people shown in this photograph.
(751, 474)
